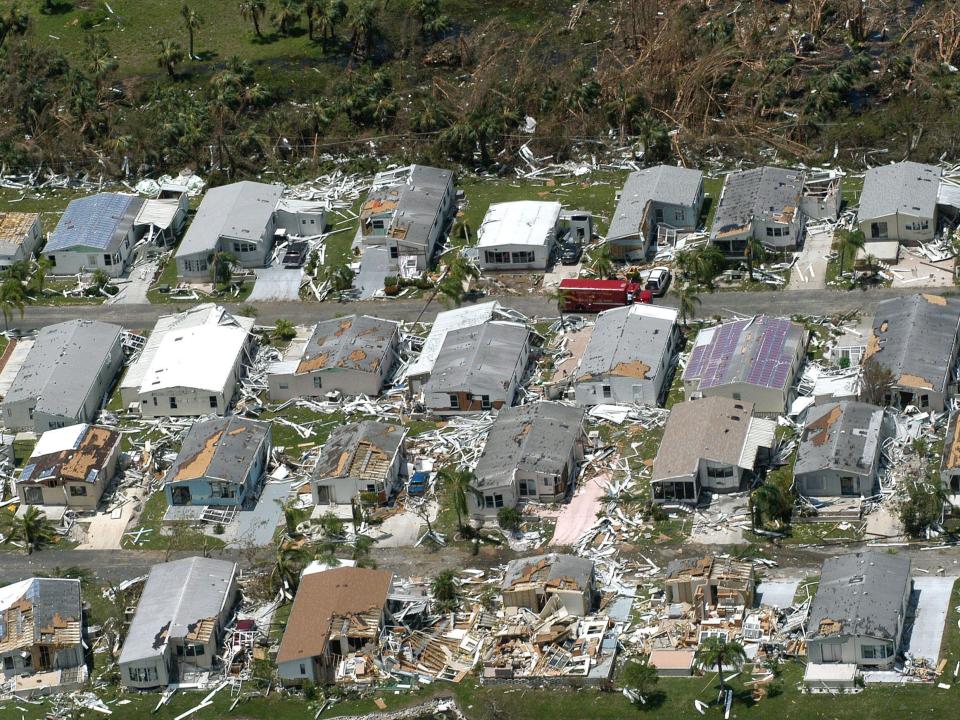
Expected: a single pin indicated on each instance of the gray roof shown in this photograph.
(628, 342)
(63, 364)
(537, 437)
(49, 598)
(360, 449)
(240, 211)
(355, 342)
(100, 221)
(478, 359)
(914, 337)
(842, 436)
(863, 591)
(711, 428)
(765, 193)
(543, 568)
(416, 199)
(223, 448)
(175, 598)
(905, 187)
(661, 184)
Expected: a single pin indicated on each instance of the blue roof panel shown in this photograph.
(91, 221)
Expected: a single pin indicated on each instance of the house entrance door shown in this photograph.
(846, 486)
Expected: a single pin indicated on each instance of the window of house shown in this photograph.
(303, 669)
(317, 381)
(108, 260)
(378, 224)
(485, 402)
(173, 403)
(607, 392)
(870, 652)
(8, 662)
(878, 230)
(213, 401)
(53, 260)
(498, 501)
(154, 400)
(78, 491)
(394, 252)
(244, 247)
(454, 402)
(678, 215)
(720, 473)
(527, 488)
(30, 411)
(195, 650)
(126, 241)
(284, 386)
(523, 257)
(371, 488)
(142, 674)
(769, 232)
(924, 401)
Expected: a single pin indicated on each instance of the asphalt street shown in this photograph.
(775, 302)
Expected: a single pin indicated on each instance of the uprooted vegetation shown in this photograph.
(685, 79)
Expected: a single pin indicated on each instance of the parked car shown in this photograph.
(656, 280)
(570, 254)
(295, 255)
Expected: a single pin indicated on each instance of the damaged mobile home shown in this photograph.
(359, 460)
(20, 236)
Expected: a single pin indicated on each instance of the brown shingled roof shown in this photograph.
(322, 596)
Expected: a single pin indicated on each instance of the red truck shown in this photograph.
(596, 295)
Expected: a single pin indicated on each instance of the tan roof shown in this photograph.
(713, 428)
(338, 593)
(14, 226)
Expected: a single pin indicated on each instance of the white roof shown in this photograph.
(659, 312)
(447, 321)
(761, 433)
(525, 222)
(197, 348)
(54, 441)
(159, 213)
(12, 593)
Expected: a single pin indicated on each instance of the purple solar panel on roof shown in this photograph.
(751, 351)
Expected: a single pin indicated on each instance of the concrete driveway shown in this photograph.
(553, 276)
(810, 270)
(134, 290)
(580, 515)
(927, 616)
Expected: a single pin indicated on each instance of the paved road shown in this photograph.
(783, 302)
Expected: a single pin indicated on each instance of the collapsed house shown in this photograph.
(532, 452)
(404, 218)
(222, 464)
(363, 459)
(762, 204)
(519, 235)
(41, 636)
(653, 206)
(65, 377)
(242, 219)
(710, 444)
(165, 215)
(190, 365)
(950, 462)
(858, 613)
(334, 625)
(629, 357)
(95, 233)
(478, 369)
(175, 632)
(898, 204)
(349, 355)
(70, 466)
(20, 236)
(839, 453)
(717, 591)
(756, 360)
(916, 338)
(532, 582)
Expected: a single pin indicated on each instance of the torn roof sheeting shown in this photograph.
(355, 342)
(100, 221)
(170, 357)
(758, 351)
(907, 188)
(536, 437)
(661, 184)
(628, 342)
(76, 453)
(360, 450)
(711, 428)
(219, 448)
(524, 222)
(480, 359)
(550, 569)
(841, 436)
(768, 194)
(860, 594)
(40, 608)
(914, 337)
(176, 598)
(413, 196)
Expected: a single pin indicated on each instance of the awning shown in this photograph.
(761, 433)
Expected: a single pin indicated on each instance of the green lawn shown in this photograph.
(184, 538)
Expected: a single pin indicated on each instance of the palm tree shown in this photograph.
(754, 250)
(717, 652)
(283, 330)
(313, 9)
(460, 482)
(707, 263)
(39, 277)
(32, 529)
(687, 302)
(169, 55)
(288, 563)
(221, 269)
(459, 272)
(362, 544)
(851, 241)
(641, 677)
(19, 270)
(330, 15)
(362, 20)
(254, 11)
(602, 263)
(445, 590)
(102, 62)
(192, 20)
(286, 16)
(432, 20)
(771, 502)
(12, 297)
(14, 22)
(100, 278)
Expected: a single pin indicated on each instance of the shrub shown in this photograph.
(509, 518)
